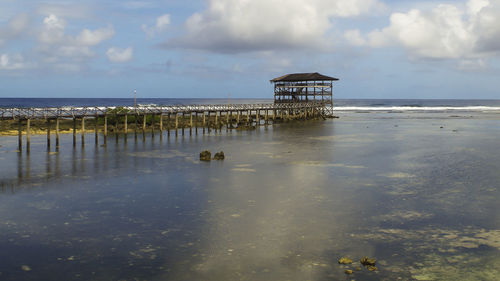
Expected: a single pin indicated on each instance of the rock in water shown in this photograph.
(367, 261)
(348, 271)
(219, 156)
(345, 260)
(205, 155)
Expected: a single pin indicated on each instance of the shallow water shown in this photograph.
(286, 203)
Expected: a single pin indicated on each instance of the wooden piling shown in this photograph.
(57, 134)
(153, 126)
(190, 123)
(125, 125)
(168, 125)
(176, 124)
(48, 134)
(144, 127)
(74, 131)
(196, 122)
(83, 132)
(105, 129)
(20, 134)
(96, 129)
(28, 136)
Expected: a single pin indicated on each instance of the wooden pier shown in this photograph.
(174, 119)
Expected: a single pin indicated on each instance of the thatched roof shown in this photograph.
(295, 77)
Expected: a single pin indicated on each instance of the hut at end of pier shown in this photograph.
(304, 87)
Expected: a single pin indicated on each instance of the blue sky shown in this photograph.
(217, 48)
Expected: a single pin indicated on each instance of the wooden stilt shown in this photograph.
(96, 129)
(57, 133)
(105, 128)
(48, 134)
(83, 131)
(176, 124)
(161, 127)
(28, 136)
(190, 123)
(196, 122)
(125, 125)
(74, 131)
(153, 126)
(136, 125)
(20, 134)
(144, 127)
(168, 125)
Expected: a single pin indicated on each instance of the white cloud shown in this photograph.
(354, 37)
(56, 44)
(162, 22)
(14, 62)
(119, 55)
(92, 38)
(242, 25)
(466, 32)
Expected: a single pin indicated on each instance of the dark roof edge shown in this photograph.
(296, 77)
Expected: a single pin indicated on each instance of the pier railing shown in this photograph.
(92, 111)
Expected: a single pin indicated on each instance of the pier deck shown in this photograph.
(157, 118)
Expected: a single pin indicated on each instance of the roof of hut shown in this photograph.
(304, 77)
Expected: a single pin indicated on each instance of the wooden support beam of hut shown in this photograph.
(161, 124)
(190, 123)
(183, 123)
(168, 125)
(196, 122)
(176, 124)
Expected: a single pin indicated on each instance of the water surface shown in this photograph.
(417, 191)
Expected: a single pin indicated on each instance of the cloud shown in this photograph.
(467, 32)
(14, 62)
(162, 22)
(92, 38)
(15, 27)
(240, 25)
(56, 44)
(119, 55)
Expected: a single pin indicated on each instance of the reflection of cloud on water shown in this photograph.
(243, 170)
(398, 175)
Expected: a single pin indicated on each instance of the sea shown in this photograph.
(414, 184)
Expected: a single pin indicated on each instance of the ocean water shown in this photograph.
(416, 189)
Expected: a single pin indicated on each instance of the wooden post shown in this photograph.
(266, 116)
(190, 123)
(105, 128)
(125, 125)
(176, 123)
(238, 117)
(216, 120)
(168, 125)
(257, 116)
(48, 134)
(136, 125)
(74, 131)
(96, 129)
(204, 122)
(161, 123)
(248, 116)
(227, 121)
(196, 122)
(161, 126)
(144, 126)
(20, 135)
(57, 133)
(28, 136)
(153, 126)
(83, 131)
(183, 123)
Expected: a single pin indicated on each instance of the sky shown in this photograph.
(232, 48)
